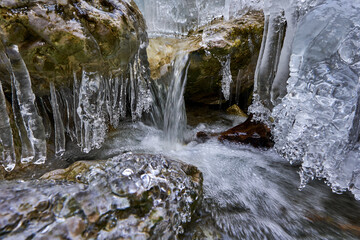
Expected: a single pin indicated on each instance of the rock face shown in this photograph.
(223, 58)
(59, 37)
(129, 196)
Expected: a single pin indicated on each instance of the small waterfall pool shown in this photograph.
(248, 193)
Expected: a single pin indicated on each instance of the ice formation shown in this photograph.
(307, 80)
(164, 17)
(226, 77)
(82, 113)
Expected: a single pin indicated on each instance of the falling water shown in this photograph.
(174, 113)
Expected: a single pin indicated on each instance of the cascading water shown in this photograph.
(174, 113)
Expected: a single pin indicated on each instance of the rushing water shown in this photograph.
(249, 193)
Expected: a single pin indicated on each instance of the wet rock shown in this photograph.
(57, 38)
(238, 42)
(210, 46)
(129, 196)
(249, 132)
(235, 110)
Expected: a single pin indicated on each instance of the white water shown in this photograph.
(248, 193)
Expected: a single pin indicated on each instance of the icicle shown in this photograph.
(91, 111)
(8, 160)
(26, 100)
(226, 77)
(266, 68)
(58, 123)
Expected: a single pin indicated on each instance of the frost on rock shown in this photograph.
(310, 83)
(164, 17)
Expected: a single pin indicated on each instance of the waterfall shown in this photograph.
(174, 113)
(307, 81)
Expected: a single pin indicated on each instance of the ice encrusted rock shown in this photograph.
(70, 69)
(128, 196)
(314, 88)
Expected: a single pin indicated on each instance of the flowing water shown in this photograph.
(248, 193)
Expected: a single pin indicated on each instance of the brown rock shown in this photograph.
(249, 132)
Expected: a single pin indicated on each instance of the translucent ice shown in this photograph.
(164, 17)
(308, 81)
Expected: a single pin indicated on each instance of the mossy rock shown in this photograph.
(241, 40)
(58, 38)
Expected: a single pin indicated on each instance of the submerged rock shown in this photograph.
(129, 196)
(250, 132)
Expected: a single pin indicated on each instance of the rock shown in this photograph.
(59, 37)
(209, 47)
(129, 196)
(235, 110)
(249, 132)
(240, 41)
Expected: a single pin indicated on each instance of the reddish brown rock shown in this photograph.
(249, 132)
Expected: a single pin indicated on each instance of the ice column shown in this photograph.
(26, 100)
(8, 159)
(226, 77)
(59, 126)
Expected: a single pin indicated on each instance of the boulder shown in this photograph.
(57, 38)
(129, 196)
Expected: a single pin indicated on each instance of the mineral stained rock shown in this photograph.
(129, 196)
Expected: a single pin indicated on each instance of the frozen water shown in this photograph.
(8, 158)
(309, 78)
(169, 17)
(226, 77)
(31, 119)
(58, 123)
